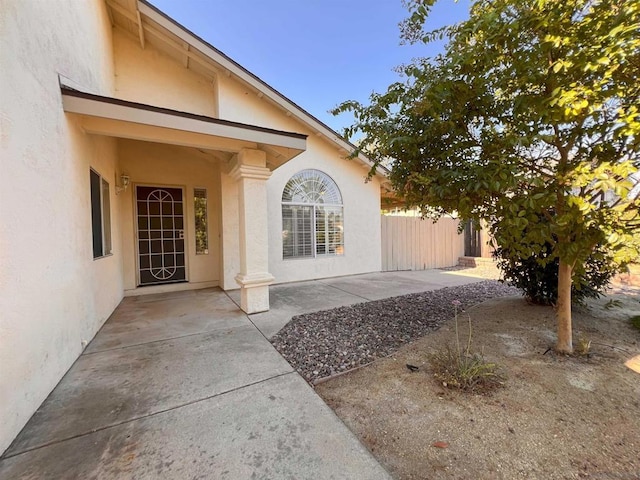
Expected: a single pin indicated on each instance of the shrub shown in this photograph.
(459, 368)
(583, 347)
(463, 371)
(537, 276)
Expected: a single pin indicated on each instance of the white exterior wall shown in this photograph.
(168, 165)
(53, 295)
(361, 218)
(150, 77)
(361, 200)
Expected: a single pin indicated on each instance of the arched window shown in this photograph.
(312, 220)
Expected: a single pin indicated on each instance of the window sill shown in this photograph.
(317, 257)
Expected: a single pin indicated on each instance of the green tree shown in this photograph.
(530, 121)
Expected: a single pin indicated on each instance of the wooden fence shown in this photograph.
(411, 243)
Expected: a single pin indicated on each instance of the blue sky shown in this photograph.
(318, 53)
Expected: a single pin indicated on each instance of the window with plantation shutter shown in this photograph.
(312, 216)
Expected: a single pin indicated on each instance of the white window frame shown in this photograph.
(315, 208)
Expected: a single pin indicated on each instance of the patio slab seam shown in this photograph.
(149, 415)
(165, 339)
(345, 291)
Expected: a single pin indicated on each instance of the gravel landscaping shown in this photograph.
(322, 344)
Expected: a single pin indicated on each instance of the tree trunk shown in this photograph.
(563, 312)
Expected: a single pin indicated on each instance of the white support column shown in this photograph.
(251, 174)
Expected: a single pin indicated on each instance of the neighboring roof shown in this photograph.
(122, 118)
(147, 22)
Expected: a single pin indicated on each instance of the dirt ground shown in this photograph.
(556, 417)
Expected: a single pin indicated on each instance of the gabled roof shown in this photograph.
(151, 25)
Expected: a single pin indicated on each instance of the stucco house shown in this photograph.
(136, 158)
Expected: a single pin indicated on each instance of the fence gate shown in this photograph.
(472, 242)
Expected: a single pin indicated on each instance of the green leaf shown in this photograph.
(529, 120)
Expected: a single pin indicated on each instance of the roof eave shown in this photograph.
(124, 119)
(232, 67)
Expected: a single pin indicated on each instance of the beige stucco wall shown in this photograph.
(151, 77)
(239, 103)
(361, 217)
(54, 295)
(167, 165)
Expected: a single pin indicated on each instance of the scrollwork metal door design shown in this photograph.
(160, 219)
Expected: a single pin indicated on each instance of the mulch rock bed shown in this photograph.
(326, 343)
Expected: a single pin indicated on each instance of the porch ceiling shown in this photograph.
(123, 119)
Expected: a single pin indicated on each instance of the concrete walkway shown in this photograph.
(292, 299)
(185, 385)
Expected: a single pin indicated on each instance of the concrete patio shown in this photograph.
(185, 385)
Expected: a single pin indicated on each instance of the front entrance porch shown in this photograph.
(173, 159)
